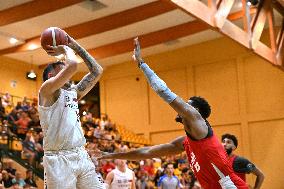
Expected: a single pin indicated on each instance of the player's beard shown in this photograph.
(229, 151)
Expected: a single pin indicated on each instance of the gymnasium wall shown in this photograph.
(245, 92)
(13, 78)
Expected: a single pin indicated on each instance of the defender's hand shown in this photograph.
(137, 52)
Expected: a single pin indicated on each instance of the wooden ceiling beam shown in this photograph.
(151, 39)
(250, 38)
(279, 6)
(103, 24)
(223, 12)
(32, 9)
(259, 23)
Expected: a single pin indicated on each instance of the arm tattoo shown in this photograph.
(94, 68)
(89, 60)
(86, 81)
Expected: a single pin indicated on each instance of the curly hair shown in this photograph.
(202, 105)
(231, 137)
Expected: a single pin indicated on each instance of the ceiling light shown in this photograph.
(32, 74)
(13, 40)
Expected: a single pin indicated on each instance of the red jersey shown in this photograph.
(209, 162)
(231, 162)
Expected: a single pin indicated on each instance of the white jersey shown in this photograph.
(122, 180)
(61, 124)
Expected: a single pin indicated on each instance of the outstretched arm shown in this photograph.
(174, 147)
(195, 124)
(95, 70)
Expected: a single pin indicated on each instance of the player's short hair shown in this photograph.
(231, 137)
(202, 105)
(50, 67)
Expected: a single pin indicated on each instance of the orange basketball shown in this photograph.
(53, 36)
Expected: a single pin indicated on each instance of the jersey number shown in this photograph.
(194, 164)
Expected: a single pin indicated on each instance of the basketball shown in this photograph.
(53, 36)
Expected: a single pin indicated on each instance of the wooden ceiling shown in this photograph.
(105, 27)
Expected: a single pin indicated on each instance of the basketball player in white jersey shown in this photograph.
(121, 177)
(66, 162)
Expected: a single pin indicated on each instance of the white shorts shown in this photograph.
(72, 169)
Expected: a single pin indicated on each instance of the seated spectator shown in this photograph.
(9, 168)
(12, 118)
(6, 179)
(29, 148)
(18, 179)
(29, 178)
(22, 124)
(6, 100)
(16, 186)
(19, 106)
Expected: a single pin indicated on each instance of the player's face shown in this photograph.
(228, 145)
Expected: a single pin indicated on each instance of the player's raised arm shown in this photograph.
(196, 124)
(95, 70)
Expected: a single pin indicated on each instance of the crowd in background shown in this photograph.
(21, 121)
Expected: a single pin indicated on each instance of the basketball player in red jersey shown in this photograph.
(207, 157)
(240, 165)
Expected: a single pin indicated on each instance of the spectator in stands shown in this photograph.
(149, 168)
(34, 123)
(2, 109)
(107, 167)
(16, 186)
(22, 124)
(6, 100)
(159, 173)
(29, 178)
(169, 180)
(9, 168)
(19, 106)
(12, 118)
(18, 179)
(29, 148)
(187, 179)
(103, 122)
(7, 179)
